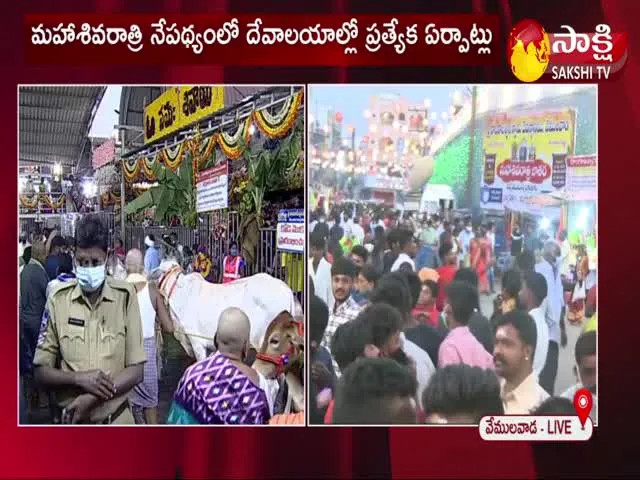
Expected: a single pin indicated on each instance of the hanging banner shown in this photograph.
(179, 107)
(291, 233)
(582, 176)
(212, 188)
(104, 154)
(525, 155)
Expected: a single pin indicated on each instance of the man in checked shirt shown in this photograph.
(343, 273)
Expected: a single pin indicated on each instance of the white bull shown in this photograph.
(196, 305)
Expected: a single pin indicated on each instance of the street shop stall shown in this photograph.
(436, 199)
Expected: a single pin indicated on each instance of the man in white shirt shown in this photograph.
(320, 270)
(144, 396)
(565, 254)
(408, 249)
(491, 235)
(357, 231)
(312, 225)
(514, 353)
(423, 363)
(549, 267)
(465, 241)
(532, 295)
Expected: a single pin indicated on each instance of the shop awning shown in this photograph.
(560, 198)
(435, 193)
(55, 123)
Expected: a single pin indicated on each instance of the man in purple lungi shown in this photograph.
(222, 389)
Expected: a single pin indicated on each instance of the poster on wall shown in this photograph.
(68, 223)
(525, 155)
(291, 233)
(582, 177)
(212, 189)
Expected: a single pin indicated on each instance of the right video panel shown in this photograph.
(453, 251)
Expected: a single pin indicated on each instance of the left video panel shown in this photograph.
(161, 255)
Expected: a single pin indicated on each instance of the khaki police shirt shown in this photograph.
(106, 336)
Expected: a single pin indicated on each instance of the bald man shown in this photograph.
(222, 389)
(144, 396)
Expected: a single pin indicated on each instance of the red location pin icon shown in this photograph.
(583, 402)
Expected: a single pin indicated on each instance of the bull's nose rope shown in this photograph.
(177, 330)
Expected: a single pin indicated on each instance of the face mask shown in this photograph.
(359, 296)
(90, 279)
(233, 252)
(322, 220)
(468, 229)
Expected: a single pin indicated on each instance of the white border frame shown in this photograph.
(450, 136)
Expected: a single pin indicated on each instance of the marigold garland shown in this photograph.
(110, 198)
(267, 124)
(207, 151)
(131, 169)
(201, 149)
(29, 202)
(148, 165)
(173, 158)
(273, 126)
(44, 200)
(231, 145)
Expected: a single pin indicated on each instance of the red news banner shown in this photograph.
(268, 40)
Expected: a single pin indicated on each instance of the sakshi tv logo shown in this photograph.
(565, 56)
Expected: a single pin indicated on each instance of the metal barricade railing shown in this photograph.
(33, 225)
(214, 231)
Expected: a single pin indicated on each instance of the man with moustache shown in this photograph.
(90, 346)
(586, 370)
(514, 355)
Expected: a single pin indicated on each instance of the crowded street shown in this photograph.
(449, 282)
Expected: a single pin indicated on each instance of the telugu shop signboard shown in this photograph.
(525, 155)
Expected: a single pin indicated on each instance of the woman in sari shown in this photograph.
(480, 253)
(204, 265)
(577, 303)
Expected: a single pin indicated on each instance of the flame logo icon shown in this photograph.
(528, 51)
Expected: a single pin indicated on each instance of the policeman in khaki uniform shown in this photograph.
(93, 331)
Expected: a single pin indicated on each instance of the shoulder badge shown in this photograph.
(121, 285)
(43, 328)
(64, 286)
